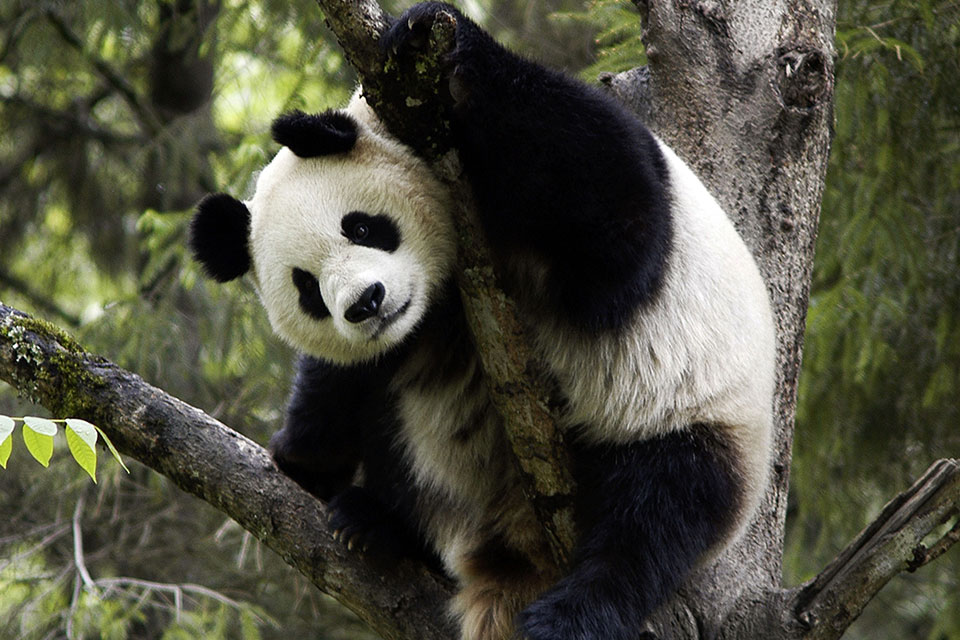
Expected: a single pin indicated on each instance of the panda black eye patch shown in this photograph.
(376, 232)
(311, 300)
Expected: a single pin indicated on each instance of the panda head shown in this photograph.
(348, 233)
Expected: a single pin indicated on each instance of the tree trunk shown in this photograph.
(743, 92)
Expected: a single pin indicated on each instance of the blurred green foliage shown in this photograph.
(881, 371)
(115, 117)
(617, 30)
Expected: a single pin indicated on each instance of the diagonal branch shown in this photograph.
(70, 123)
(141, 109)
(889, 545)
(21, 286)
(400, 600)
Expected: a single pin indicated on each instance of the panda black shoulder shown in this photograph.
(566, 176)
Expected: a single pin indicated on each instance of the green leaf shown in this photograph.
(113, 449)
(39, 440)
(5, 448)
(83, 452)
(82, 428)
(6, 442)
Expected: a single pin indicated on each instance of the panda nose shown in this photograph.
(368, 304)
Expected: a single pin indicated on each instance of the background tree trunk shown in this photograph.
(742, 91)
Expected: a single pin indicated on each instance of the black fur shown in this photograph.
(310, 298)
(321, 443)
(377, 232)
(560, 171)
(312, 135)
(219, 233)
(338, 419)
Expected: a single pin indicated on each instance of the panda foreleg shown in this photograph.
(337, 418)
(648, 512)
(320, 444)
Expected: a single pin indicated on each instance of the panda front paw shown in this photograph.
(410, 33)
(361, 523)
(303, 469)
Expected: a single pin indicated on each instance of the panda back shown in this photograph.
(699, 352)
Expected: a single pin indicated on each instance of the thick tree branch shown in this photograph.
(408, 101)
(400, 600)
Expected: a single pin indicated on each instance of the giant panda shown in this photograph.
(641, 303)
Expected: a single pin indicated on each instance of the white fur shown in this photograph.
(295, 223)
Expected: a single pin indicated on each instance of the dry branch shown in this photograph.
(891, 544)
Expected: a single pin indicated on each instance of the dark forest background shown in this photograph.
(116, 117)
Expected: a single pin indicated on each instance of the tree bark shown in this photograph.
(743, 92)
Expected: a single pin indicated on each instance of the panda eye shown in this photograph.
(376, 232)
(311, 301)
(360, 232)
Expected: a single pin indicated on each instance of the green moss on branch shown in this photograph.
(46, 364)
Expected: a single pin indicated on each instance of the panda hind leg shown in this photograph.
(648, 512)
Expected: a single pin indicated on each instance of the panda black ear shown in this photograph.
(312, 135)
(219, 236)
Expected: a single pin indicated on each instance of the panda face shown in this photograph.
(349, 250)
